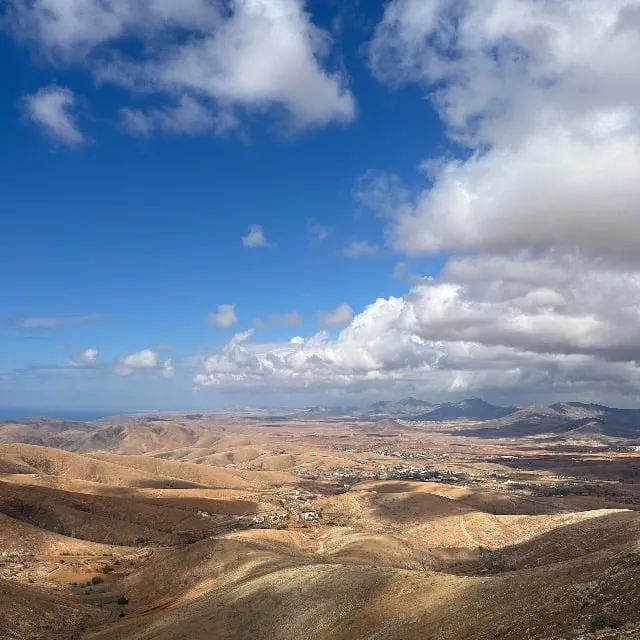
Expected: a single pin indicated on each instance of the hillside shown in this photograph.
(33, 612)
(194, 529)
(273, 590)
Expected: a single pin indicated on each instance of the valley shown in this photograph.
(386, 524)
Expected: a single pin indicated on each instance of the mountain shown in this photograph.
(568, 419)
(322, 411)
(472, 409)
(397, 408)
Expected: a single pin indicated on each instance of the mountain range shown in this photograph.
(561, 420)
(473, 409)
(574, 419)
(565, 419)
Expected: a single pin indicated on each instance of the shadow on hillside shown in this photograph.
(126, 519)
(552, 601)
(406, 508)
(606, 533)
(281, 599)
(626, 470)
(416, 506)
(389, 487)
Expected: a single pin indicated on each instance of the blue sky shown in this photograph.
(140, 148)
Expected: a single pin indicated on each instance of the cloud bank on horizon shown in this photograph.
(535, 211)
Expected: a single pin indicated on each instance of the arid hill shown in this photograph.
(185, 528)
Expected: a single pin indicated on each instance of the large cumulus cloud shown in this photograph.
(545, 97)
(485, 324)
(536, 207)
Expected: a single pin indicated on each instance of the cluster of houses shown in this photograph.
(423, 474)
(295, 508)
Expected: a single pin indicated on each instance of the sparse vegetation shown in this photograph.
(107, 569)
(603, 621)
(96, 580)
(122, 600)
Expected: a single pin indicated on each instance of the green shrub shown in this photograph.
(96, 580)
(107, 569)
(603, 621)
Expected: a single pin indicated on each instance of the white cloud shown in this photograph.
(259, 324)
(224, 317)
(167, 369)
(359, 248)
(144, 361)
(340, 317)
(140, 360)
(52, 108)
(487, 324)
(547, 97)
(249, 55)
(86, 357)
(255, 237)
(539, 213)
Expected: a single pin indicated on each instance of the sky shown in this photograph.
(211, 203)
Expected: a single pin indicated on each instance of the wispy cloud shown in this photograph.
(187, 116)
(319, 232)
(360, 248)
(292, 319)
(339, 317)
(56, 369)
(36, 323)
(259, 324)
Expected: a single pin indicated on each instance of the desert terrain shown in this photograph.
(405, 521)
